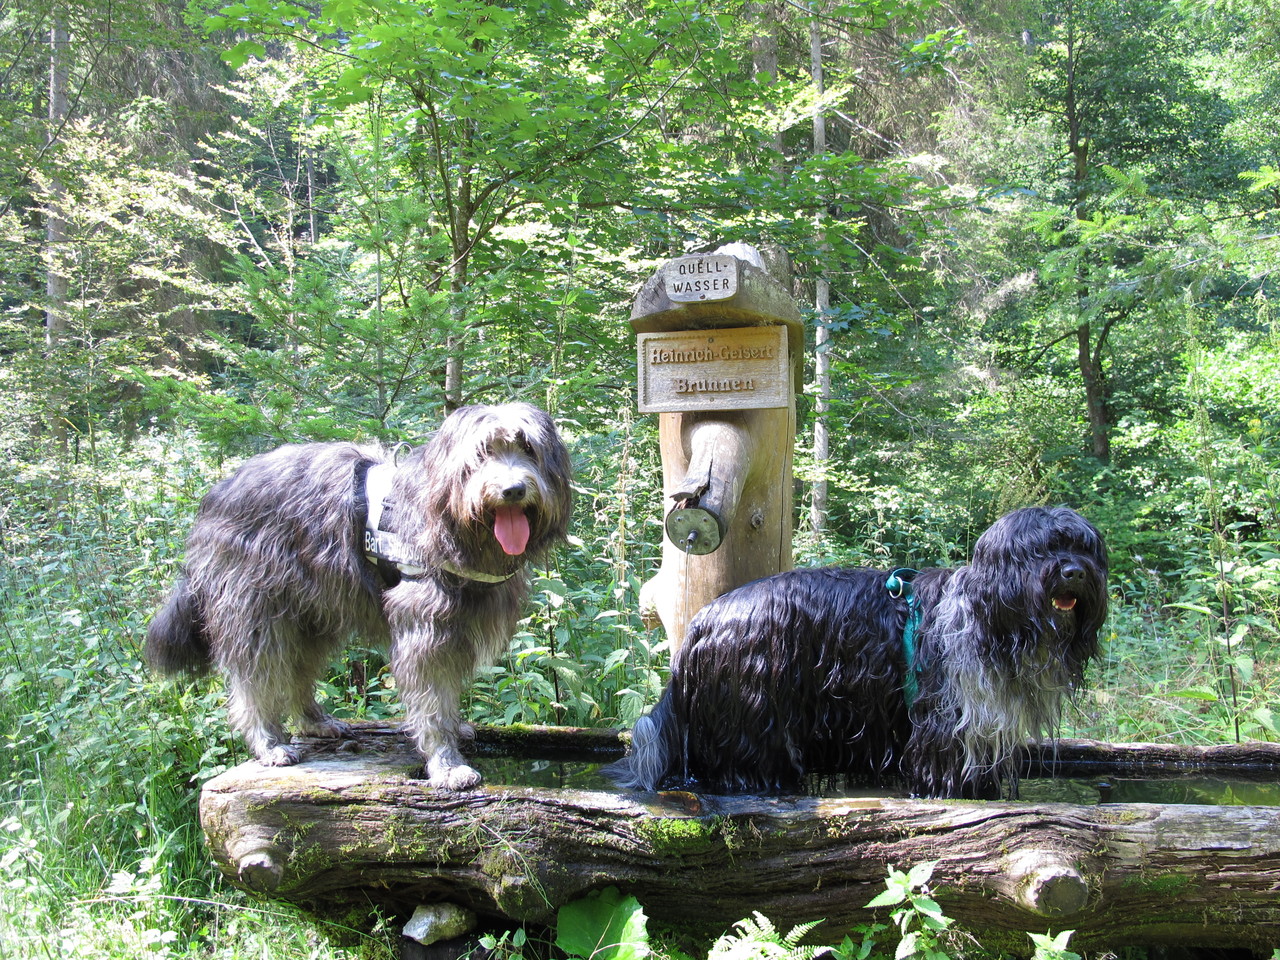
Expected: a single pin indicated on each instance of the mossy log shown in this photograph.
(357, 825)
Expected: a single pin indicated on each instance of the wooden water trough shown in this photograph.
(354, 826)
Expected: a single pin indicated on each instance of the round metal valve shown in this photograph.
(695, 530)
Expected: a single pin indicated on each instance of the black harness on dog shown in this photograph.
(394, 559)
(387, 552)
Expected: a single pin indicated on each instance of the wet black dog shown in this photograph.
(935, 678)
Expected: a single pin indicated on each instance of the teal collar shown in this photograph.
(900, 584)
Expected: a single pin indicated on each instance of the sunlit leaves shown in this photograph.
(1266, 177)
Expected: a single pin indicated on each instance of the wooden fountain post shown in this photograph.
(719, 343)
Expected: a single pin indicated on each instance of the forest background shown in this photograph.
(1036, 240)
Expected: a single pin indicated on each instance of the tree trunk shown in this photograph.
(453, 372)
(461, 214)
(818, 507)
(1095, 396)
(764, 50)
(360, 827)
(1089, 362)
(57, 283)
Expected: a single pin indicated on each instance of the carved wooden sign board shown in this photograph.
(691, 279)
(741, 368)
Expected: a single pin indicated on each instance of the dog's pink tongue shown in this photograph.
(511, 527)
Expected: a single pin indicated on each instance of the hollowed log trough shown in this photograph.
(355, 825)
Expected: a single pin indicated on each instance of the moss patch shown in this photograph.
(680, 836)
(1165, 883)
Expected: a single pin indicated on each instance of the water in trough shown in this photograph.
(1120, 786)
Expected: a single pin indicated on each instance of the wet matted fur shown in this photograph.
(276, 579)
(804, 672)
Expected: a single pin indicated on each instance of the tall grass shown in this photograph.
(101, 854)
(1178, 668)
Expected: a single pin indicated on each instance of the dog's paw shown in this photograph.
(460, 777)
(466, 731)
(330, 728)
(281, 755)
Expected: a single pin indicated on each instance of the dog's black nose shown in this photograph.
(514, 492)
(1072, 572)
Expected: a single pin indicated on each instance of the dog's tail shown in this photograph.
(653, 752)
(176, 639)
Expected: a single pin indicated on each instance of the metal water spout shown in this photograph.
(706, 500)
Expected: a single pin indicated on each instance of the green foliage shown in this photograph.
(1168, 120)
(455, 128)
(603, 926)
(1266, 177)
(606, 924)
(507, 945)
(101, 850)
(1053, 946)
(756, 938)
(126, 254)
(920, 921)
(583, 657)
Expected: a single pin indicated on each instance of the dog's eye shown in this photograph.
(524, 444)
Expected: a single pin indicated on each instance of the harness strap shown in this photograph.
(900, 584)
(377, 488)
(394, 558)
(479, 575)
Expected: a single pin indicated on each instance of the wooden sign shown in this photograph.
(743, 368)
(693, 279)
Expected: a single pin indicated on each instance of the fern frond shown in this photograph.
(756, 938)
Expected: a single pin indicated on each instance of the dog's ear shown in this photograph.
(1082, 536)
(556, 468)
(458, 427)
(550, 449)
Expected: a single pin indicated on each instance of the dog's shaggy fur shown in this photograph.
(804, 672)
(276, 578)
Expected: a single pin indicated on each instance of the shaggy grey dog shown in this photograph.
(308, 545)
(936, 678)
